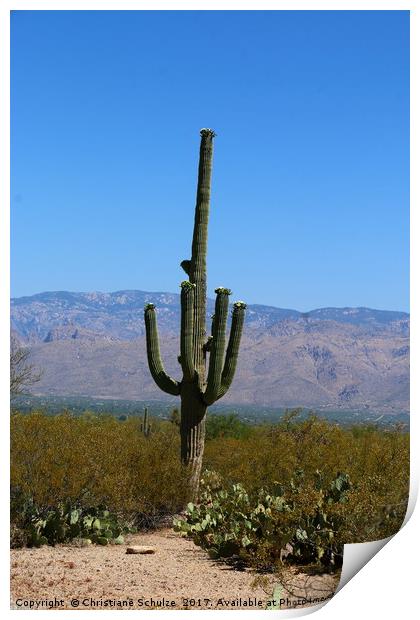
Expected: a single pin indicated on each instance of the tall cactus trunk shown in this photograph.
(197, 390)
(198, 265)
(192, 430)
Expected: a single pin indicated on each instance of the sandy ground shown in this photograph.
(178, 576)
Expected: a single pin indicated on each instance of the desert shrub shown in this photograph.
(376, 461)
(226, 426)
(97, 461)
(100, 461)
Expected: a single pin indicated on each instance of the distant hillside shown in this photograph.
(92, 344)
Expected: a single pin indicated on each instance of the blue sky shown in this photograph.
(310, 201)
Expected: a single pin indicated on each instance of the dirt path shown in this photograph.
(179, 575)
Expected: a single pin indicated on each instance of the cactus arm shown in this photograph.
(162, 380)
(238, 316)
(217, 350)
(187, 325)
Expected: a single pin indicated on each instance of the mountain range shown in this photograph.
(93, 344)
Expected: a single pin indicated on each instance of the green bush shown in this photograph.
(226, 426)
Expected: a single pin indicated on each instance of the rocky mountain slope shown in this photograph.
(93, 344)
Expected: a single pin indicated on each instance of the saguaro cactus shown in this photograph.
(198, 389)
(145, 427)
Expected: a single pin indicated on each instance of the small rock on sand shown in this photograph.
(141, 549)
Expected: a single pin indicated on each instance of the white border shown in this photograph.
(387, 585)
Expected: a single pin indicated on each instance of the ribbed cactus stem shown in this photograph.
(187, 330)
(198, 264)
(238, 317)
(193, 412)
(161, 378)
(217, 353)
(145, 426)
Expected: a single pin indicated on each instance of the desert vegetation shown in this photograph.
(295, 490)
